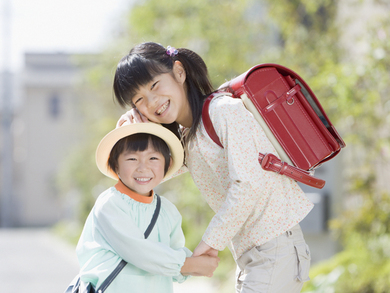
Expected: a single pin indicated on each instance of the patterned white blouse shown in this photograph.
(252, 206)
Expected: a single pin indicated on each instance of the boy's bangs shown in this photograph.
(141, 141)
(137, 142)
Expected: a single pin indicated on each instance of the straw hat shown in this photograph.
(107, 143)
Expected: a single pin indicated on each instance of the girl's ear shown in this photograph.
(179, 71)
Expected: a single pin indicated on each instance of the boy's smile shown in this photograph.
(141, 171)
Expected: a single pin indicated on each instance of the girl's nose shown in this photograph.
(152, 100)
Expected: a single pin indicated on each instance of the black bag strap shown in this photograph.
(154, 218)
(123, 263)
(107, 282)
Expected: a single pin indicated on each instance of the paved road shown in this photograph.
(36, 261)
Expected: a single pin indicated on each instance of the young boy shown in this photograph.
(139, 156)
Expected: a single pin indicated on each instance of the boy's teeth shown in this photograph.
(163, 108)
(143, 179)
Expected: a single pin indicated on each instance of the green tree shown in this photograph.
(364, 227)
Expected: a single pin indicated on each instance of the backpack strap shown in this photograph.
(123, 263)
(268, 162)
(208, 125)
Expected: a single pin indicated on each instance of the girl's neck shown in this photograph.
(187, 123)
(185, 117)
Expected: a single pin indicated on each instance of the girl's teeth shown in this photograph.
(163, 108)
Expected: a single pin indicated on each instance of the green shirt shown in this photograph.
(114, 230)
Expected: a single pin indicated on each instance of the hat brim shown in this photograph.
(107, 143)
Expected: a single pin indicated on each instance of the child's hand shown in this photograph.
(203, 265)
(206, 265)
(131, 116)
(203, 248)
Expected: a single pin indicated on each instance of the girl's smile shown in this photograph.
(164, 100)
(163, 108)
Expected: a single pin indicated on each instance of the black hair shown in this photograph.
(147, 60)
(138, 142)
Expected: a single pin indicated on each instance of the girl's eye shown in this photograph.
(137, 100)
(153, 85)
(154, 158)
(131, 159)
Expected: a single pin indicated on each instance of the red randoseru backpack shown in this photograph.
(291, 116)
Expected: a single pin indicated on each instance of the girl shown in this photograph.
(257, 212)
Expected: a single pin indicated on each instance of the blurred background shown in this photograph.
(57, 62)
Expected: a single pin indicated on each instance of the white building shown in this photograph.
(43, 128)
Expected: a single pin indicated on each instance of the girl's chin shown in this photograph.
(163, 120)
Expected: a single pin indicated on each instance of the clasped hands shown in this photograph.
(203, 261)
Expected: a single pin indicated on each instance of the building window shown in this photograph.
(54, 106)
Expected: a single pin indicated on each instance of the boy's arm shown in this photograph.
(127, 240)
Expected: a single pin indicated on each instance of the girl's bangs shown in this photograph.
(140, 72)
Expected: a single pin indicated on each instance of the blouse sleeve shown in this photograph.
(127, 240)
(236, 128)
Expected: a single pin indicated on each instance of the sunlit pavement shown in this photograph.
(34, 260)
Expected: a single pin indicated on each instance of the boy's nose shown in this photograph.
(142, 166)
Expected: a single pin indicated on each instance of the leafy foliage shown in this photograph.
(364, 227)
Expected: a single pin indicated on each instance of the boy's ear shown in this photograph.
(170, 165)
(170, 162)
(179, 71)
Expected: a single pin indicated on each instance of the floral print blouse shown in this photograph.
(251, 206)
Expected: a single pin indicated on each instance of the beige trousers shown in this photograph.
(278, 266)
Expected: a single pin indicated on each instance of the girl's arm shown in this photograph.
(249, 185)
(204, 248)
